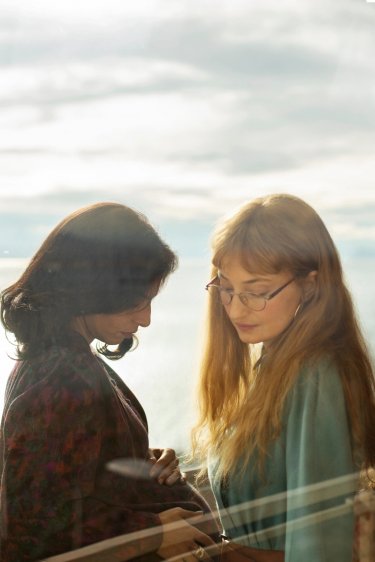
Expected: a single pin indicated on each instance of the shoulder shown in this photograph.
(318, 376)
(317, 427)
(62, 380)
(317, 391)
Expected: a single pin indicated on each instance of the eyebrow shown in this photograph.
(248, 281)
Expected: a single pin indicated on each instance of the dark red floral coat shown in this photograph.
(66, 415)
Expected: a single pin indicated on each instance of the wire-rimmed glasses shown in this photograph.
(248, 299)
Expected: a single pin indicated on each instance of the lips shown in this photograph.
(130, 333)
(245, 327)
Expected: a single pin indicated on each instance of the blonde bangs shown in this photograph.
(249, 237)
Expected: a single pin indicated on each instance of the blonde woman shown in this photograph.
(286, 432)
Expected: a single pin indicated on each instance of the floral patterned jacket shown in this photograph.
(66, 415)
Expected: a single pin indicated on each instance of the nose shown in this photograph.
(143, 317)
(236, 309)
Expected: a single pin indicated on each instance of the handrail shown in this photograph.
(344, 487)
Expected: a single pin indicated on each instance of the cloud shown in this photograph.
(272, 91)
(26, 221)
(187, 108)
(185, 216)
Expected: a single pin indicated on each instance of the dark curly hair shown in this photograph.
(101, 259)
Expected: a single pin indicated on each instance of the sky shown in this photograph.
(185, 109)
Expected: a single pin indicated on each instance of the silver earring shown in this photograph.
(297, 309)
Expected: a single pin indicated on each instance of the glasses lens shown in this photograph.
(226, 296)
(253, 302)
(216, 291)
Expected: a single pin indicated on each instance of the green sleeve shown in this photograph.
(318, 448)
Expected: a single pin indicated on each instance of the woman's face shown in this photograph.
(267, 324)
(113, 328)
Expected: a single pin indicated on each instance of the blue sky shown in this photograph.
(185, 109)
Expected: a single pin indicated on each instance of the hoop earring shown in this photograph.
(298, 309)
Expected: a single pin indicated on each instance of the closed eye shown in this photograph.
(246, 293)
(262, 295)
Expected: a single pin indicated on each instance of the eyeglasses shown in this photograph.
(250, 300)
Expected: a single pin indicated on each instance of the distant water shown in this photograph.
(162, 370)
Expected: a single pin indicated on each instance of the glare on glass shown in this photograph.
(248, 299)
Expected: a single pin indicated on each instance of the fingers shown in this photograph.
(162, 472)
(155, 453)
(176, 513)
(163, 456)
(181, 540)
(202, 522)
(194, 553)
(200, 554)
(197, 553)
(175, 476)
(171, 478)
(165, 466)
(203, 539)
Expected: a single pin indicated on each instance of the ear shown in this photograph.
(309, 285)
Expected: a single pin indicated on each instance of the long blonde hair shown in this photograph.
(240, 412)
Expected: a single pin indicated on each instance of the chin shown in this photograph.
(250, 340)
(113, 341)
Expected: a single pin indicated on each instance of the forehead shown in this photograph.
(244, 264)
(233, 272)
(153, 290)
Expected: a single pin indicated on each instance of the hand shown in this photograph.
(181, 540)
(165, 466)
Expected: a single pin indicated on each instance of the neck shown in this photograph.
(78, 324)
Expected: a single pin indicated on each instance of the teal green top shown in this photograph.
(300, 504)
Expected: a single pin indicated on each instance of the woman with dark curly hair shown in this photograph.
(67, 414)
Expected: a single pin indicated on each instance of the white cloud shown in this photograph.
(204, 103)
(83, 11)
(123, 122)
